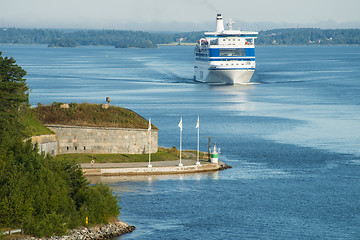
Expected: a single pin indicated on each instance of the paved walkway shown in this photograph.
(141, 168)
(185, 162)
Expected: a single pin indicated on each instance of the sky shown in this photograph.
(180, 15)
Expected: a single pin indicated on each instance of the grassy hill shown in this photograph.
(92, 115)
(34, 126)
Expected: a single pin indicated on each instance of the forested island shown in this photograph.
(139, 39)
(62, 42)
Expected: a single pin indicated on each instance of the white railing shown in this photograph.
(11, 232)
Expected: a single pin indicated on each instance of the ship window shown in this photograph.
(249, 41)
(214, 42)
(232, 52)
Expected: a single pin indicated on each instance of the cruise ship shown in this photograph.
(225, 56)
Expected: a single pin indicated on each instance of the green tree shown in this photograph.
(62, 42)
(38, 194)
(13, 90)
(13, 97)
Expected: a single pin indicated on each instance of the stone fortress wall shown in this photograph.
(80, 139)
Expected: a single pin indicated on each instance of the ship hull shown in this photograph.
(228, 77)
(222, 76)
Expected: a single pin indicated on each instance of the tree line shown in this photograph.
(308, 36)
(63, 42)
(57, 38)
(140, 39)
(42, 196)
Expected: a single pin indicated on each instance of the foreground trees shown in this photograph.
(38, 194)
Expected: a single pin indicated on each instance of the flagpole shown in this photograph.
(180, 125)
(198, 127)
(149, 130)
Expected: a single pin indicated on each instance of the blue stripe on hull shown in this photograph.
(230, 69)
(231, 59)
(224, 59)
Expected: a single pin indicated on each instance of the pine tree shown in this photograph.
(38, 194)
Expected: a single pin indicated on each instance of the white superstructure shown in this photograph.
(225, 56)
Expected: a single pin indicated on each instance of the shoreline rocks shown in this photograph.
(113, 229)
(224, 166)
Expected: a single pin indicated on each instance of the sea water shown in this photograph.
(292, 137)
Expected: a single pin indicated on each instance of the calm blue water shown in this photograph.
(293, 138)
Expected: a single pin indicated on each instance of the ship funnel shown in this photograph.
(219, 23)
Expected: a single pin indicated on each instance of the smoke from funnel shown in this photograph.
(210, 6)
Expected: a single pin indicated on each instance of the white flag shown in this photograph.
(149, 128)
(197, 124)
(180, 124)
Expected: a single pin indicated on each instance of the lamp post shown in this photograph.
(209, 146)
(180, 126)
(198, 141)
(149, 131)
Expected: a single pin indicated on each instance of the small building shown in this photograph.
(47, 144)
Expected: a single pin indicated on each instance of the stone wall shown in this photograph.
(79, 139)
(47, 144)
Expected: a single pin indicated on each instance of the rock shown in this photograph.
(224, 166)
(65, 106)
(113, 229)
(105, 106)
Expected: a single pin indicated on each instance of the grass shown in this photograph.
(35, 127)
(162, 155)
(92, 115)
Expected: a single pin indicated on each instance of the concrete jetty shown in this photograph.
(141, 168)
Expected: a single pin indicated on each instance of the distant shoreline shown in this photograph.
(176, 44)
(141, 39)
(184, 45)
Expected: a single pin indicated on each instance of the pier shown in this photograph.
(141, 168)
